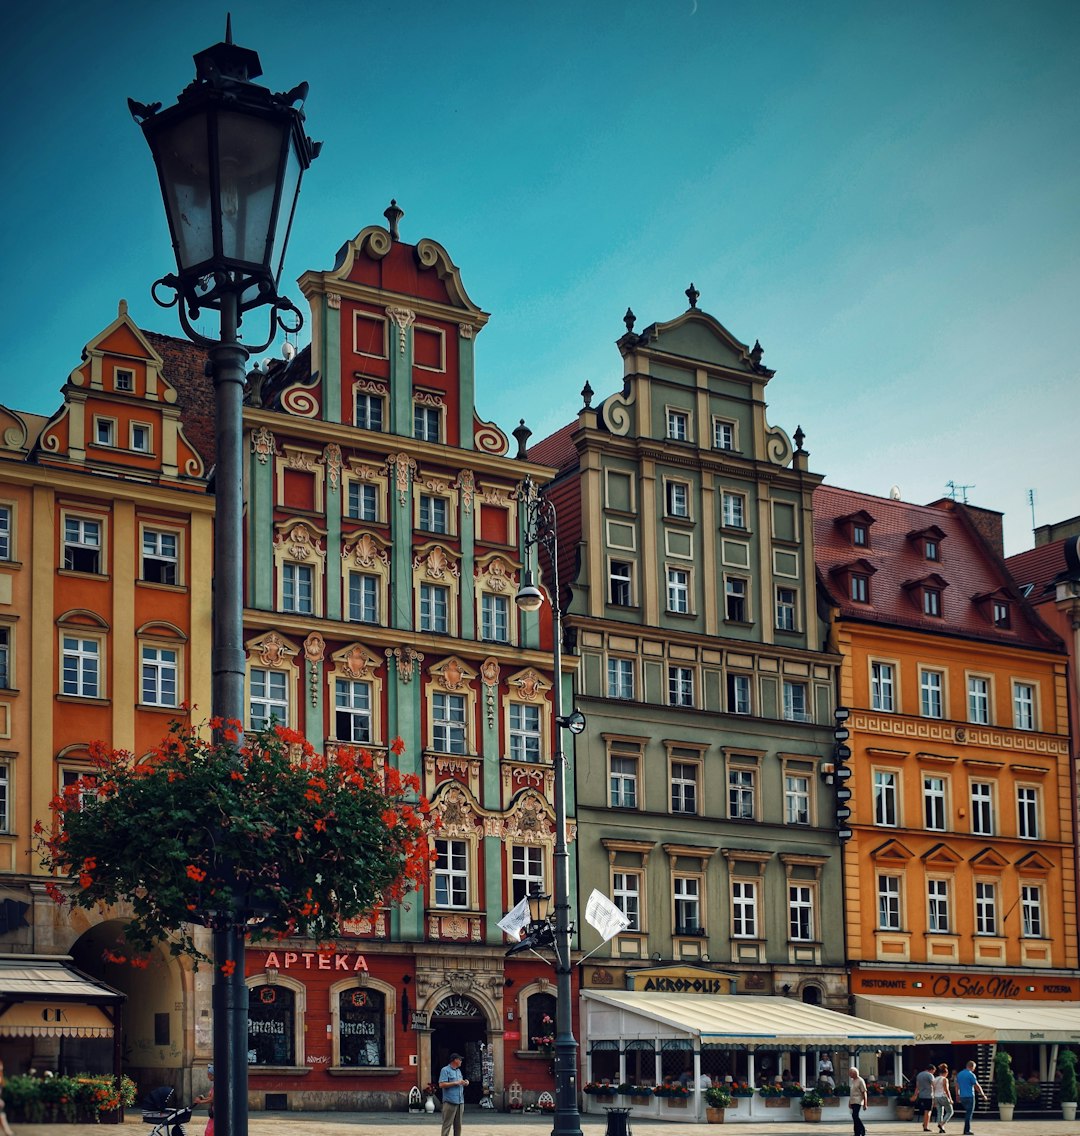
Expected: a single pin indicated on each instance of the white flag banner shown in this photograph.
(602, 914)
(516, 919)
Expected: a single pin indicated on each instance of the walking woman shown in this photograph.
(943, 1102)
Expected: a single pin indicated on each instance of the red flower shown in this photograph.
(196, 874)
(397, 747)
(228, 968)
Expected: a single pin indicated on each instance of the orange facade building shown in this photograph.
(959, 875)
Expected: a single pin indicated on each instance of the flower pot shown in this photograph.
(715, 1115)
(1068, 1109)
(1006, 1111)
(811, 1115)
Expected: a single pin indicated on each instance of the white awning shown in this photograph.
(733, 1021)
(46, 997)
(973, 1020)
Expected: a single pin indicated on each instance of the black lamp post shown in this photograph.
(540, 530)
(230, 156)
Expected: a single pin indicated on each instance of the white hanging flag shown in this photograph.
(602, 914)
(516, 919)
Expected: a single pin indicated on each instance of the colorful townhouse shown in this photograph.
(959, 878)
(105, 531)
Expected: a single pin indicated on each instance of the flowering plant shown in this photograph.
(812, 1099)
(629, 1089)
(771, 1090)
(600, 1088)
(741, 1089)
(430, 1089)
(671, 1089)
(792, 1089)
(290, 841)
(546, 1038)
(718, 1096)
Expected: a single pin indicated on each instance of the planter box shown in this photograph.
(811, 1115)
(715, 1115)
(675, 1102)
(777, 1102)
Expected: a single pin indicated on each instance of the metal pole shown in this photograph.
(228, 358)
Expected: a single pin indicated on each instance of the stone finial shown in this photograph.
(522, 434)
(800, 437)
(692, 295)
(393, 215)
(756, 353)
(586, 394)
(121, 308)
(629, 319)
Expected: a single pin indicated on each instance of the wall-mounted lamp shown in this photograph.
(786, 988)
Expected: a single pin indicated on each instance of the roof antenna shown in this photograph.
(1031, 503)
(958, 491)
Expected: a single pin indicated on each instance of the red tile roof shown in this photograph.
(185, 367)
(966, 562)
(556, 450)
(1038, 566)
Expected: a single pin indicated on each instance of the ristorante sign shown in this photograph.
(965, 985)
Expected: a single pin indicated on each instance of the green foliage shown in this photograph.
(812, 1099)
(292, 841)
(33, 1099)
(1067, 1064)
(717, 1097)
(1004, 1080)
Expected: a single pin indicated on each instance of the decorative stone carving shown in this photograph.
(314, 650)
(333, 300)
(529, 684)
(466, 330)
(300, 543)
(406, 660)
(273, 650)
(355, 662)
(404, 318)
(401, 466)
(429, 398)
(489, 675)
(437, 564)
(262, 444)
(368, 386)
(488, 438)
(332, 461)
(367, 553)
(466, 485)
(301, 460)
(497, 576)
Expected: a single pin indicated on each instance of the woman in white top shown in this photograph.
(943, 1103)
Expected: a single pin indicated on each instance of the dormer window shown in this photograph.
(932, 601)
(856, 527)
(927, 542)
(860, 587)
(860, 535)
(996, 606)
(1001, 614)
(854, 578)
(927, 593)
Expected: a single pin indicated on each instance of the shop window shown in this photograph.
(540, 1017)
(271, 1025)
(640, 1062)
(361, 1027)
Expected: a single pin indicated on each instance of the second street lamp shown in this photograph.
(230, 156)
(539, 516)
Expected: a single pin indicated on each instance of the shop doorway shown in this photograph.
(458, 1026)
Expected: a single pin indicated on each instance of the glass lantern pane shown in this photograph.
(182, 155)
(250, 149)
(290, 187)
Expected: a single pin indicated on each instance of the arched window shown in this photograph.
(540, 1015)
(271, 1025)
(362, 1027)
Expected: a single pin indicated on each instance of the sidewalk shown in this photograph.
(480, 1122)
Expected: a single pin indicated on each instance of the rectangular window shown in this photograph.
(124, 380)
(5, 658)
(363, 598)
(159, 676)
(495, 618)
(1001, 614)
(626, 894)
(427, 421)
(860, 587)
(448, 723)
(433, 513)
(800, 913)
(1023, 706)
(82, 545)
(982, 808)
(369, 411)
(937, 898)
(734, 510)
(796, 799)
(269, 698)
(735, 600)
(738, 694)
(742, 793)
(882, 687)
(5, 797)
(889, 903)
(677, 425)
(934, 803)
(885, 799)
(680, 686)
(363, 501)
(1031, 911)
(451, 873)
(931, 701)
(81, 667)
(795, 702)
(352, 710)
(785, 609)
(434, 608)
(140, 437)
(979, 700)
(985, 908)
(160, 557)
(1027, 812)
(5, 532)
(296, 587)
(744, 922)
(524, 732)
(623, 781)
(620, 674)
(723, 434)
(684, 787)
(687, 905)
(105, 431)
(931, 550)
(678, 499)
(526, 871)
(620, 583)
(931, 599)
(860, 537)
(678, 590)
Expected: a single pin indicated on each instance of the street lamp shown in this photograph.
(539, 515)
(230, 156)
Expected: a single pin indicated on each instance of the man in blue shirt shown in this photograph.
(452, 1084)
(967, 1085)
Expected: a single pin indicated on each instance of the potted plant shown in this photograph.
(1067, 1064)
(1005, 1084)
(792, 1089)
(812, 1101)
(430, 1092)
(827, 1091)
(545, 1041)
(640, 1093)
(717, 1099)
(675, 1093)
(905, 1105)
(600, 1089)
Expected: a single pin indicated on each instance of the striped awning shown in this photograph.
(46, 997)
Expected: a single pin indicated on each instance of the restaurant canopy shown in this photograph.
(972, 1020)
(43, 996)
(737, 1021)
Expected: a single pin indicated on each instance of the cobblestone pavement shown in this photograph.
(482, 1123)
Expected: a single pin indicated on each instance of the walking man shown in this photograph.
(857, 1100)
(967, 1085)
(452, 1084)
(924, 1093)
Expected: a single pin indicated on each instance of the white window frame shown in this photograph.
(796, 793)
(983, 808)
(6, 795)
(677, 500)
(931, 694)
(733, 506)
(451, 875)
(104, 431)
(680, 686)
(423, 419)
(154, 548)
(78, 542)
(123, 379)
(298, 583)
(367, 587)
(1031, 911)
(723, 434)
(1024, 705)
(686, 904)
(1028, 810)
(268, 689)
(362, 500)
(678, 590)
(890, 902)
(526, 732)
(935, 802)
(432, 519)
(7, 524)
(685, 790)
(430, 597)
(7, 672)
(886, 784)
(796, 701)
(787, 600)
(449, 722)
(370, 400)
(159, 669)
(739, 693)
(744, 909)
(526, 871)
(626, 895)
(742, 786)
(883, 687)
(736, 591)
(678, 425)
(986, 907)
(88, 654)
(142, 430)
(621, 583)
(494, 618)
(800, 912)
(620, 678)
(938, 906)
(353, 700)
(624, 780)
(980, 698)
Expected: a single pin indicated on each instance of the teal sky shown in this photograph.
(886, 195)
